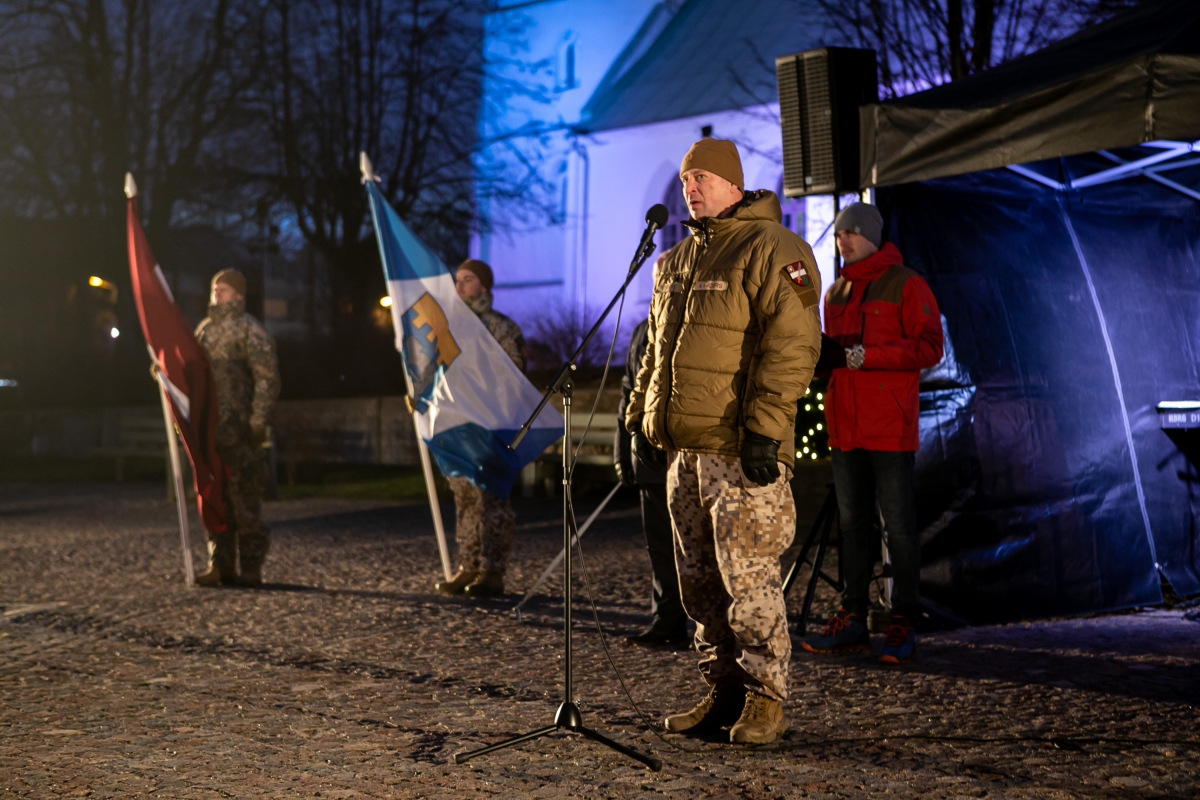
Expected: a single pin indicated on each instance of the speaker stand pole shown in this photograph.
(818, 534)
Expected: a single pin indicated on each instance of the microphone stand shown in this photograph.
(568, 716)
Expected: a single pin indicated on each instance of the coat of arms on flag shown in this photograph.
(429, 347)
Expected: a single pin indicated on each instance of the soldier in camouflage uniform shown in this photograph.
(733, 338)
(242, 356)
(484, 523)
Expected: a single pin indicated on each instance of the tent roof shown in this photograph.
(1133, 79)
(712, 56)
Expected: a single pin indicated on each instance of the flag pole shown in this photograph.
(185, 538)
(435, 508)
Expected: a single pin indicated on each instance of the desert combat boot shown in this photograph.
(761, 721)
(489, 583)
(719, 709)
(458, 583)
(222, 562)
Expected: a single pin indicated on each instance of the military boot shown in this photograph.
(461, 580)
(222, 562)
(761, 721)
(489, 584)
(251, 575)
(718, 710)
(252, 552)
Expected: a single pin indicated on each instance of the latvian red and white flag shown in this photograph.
(187, 377)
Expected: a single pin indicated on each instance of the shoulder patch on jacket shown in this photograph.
(802, 283)
(798, 272)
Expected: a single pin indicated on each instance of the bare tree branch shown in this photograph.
(923, 43)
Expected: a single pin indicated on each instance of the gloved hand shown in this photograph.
(855, 356)
(647, 453)
(624, 471)
(760, 458)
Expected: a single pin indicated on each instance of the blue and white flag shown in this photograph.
(470, 397)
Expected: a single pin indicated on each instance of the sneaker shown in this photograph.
(761, 721)
(721, 708)
(844, 633)
(899, 642)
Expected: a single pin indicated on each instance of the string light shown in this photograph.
(810, 417)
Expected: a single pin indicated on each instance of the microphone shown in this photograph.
(656, 217)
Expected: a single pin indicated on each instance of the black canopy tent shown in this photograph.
(1132, 80)
(1070, 285)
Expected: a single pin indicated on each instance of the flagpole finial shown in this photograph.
(368, 172)
(130, 186)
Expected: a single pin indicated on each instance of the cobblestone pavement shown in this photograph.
(346, 677)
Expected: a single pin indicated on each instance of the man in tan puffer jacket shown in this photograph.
(733, 339)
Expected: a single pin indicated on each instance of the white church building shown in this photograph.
(629, 85)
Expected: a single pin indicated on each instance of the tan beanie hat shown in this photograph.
(231, 278)
(718, 156)
(481, 271)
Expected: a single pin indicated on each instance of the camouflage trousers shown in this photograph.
(484, 526)
(244, 489)
(729, 535)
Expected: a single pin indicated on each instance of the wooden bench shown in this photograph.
(596, 450)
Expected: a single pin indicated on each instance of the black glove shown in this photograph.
(833, 355)
(647, 453)
(624, 469)
(760, 458)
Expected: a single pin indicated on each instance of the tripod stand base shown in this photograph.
(568, 718)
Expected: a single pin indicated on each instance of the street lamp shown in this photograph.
(108, 286)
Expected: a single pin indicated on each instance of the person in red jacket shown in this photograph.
(882, 328)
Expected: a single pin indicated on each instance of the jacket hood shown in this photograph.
(759, 204)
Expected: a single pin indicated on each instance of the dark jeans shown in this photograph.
(666, 607)
(864, 478)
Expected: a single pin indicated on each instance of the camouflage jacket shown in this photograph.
(502, 329)
(242, 356)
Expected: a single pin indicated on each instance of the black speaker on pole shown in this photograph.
(819, 95)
